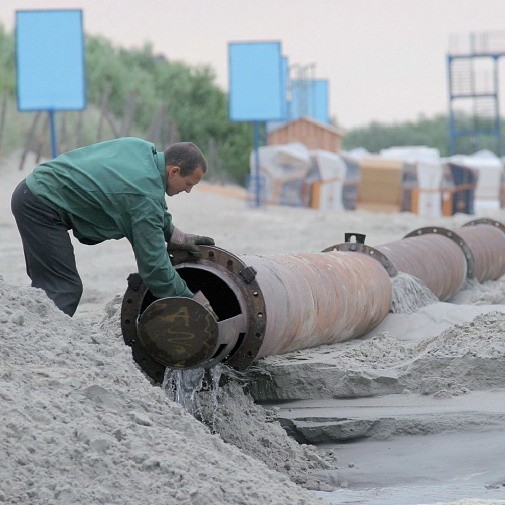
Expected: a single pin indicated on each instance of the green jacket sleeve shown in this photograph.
(148, 242)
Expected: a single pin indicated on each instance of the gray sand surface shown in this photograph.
(412, 412)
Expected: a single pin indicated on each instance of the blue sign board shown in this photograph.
(257, 79)
(50, 60)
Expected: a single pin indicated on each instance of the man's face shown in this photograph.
(176, 183)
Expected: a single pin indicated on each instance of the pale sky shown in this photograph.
(385, 59)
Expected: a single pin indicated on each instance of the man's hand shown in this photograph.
(180, 241)
(200, 298)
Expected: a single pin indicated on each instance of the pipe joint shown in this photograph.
(360, 247)
(178, 332)
(486, 220)
(456, 238)
(232, 289)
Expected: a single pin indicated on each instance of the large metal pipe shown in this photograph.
(265, 305)
(316, 299)
(270, 305)
(444, 258)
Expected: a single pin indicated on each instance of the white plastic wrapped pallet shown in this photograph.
(491, 173)
(331, 171)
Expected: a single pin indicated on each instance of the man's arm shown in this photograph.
(148, 243)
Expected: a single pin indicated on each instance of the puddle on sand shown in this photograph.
(421, 469)
(417, 495)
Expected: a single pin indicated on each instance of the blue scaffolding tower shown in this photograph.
(473, 75)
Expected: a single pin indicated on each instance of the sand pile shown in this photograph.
(468, 356)
(256, 432)
(81, 424)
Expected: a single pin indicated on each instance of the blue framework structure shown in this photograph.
(50, 62)
(469, 68)
(309, 98)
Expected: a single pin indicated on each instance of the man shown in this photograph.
(108, 190)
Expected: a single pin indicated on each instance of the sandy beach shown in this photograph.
(411, 413)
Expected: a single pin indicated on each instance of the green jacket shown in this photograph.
(112, 190)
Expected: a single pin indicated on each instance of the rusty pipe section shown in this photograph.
(444, 258)
(265, 306)
(280, 303)
(322, 298)
(481, 245)
(433, 258)
(486, 240)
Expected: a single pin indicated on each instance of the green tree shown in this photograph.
(431, 132)
(376, 136)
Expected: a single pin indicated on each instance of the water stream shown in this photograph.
(410, 294)
(197, 390)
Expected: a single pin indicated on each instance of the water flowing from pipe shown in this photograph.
(410, 294)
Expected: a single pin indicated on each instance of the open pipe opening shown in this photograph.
(178, 332)
(222, 298)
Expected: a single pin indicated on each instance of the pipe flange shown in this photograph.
(486, 220)
(244, 276)
(369, 251)
(131, 309)
(457, 239)
(137, 298)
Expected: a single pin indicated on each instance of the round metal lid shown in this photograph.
(178, 332)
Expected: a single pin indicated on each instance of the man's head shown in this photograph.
(185, 167)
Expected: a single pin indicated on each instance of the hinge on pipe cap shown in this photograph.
(248, 274)
(359, 237)
(134, 281)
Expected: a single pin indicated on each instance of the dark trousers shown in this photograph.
(49, 254)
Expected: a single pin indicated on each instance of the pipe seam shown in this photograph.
(457, 239)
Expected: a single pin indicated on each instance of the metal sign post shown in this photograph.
(50, 63)
(257, 163)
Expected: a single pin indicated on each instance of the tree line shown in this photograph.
(431, 132)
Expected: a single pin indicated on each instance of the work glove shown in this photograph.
(200, 298)
(180, 241)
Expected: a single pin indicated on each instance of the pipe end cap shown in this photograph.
(178, 332)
